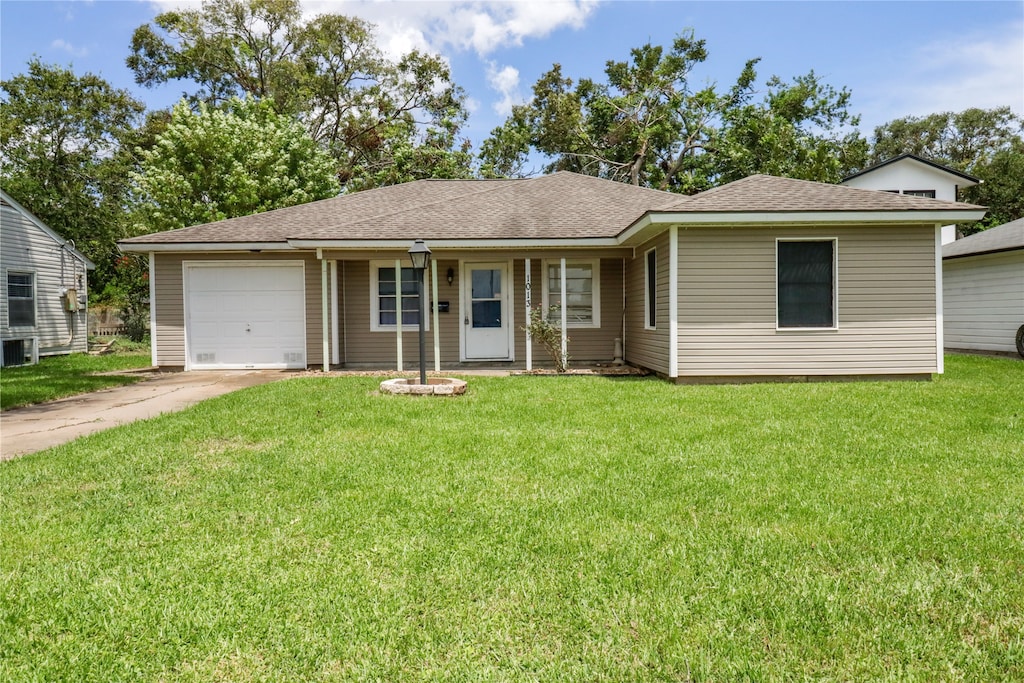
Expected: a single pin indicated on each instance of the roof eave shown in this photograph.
(654, 221)
(146, 247)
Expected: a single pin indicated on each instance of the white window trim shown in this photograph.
(595, 269)
(835, 284)
(35, 299)
(375, 325)
(648, 304)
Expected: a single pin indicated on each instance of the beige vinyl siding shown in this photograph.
(983, 301)
(586, 344)
(886, 304)
(170, 306)
(365, 347)
(643, 347)
(25, 248)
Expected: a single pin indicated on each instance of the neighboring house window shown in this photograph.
(582, 291)
(651, 290)
(806, 274)
(21, 300)
(930, 194)
(384, 297)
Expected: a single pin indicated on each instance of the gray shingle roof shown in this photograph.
(1005, 237)
(559, 206)
(764, 193)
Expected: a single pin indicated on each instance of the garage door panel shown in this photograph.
(248, 315)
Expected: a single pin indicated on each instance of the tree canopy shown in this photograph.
(985, 143)
(647, 124)
(214, 163)
(66, 150)
(382, 120)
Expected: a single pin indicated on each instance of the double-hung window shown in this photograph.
(582, 292)
(806, 283)
(384, 297)
(21, 299)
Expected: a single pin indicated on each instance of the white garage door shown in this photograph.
(245, 315)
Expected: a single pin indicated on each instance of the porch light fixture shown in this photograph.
(451, 275)
(419, 254)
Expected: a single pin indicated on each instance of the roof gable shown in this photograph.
(7, 200)
(913, 158)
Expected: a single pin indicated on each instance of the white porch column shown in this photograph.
(565, 315)
(153, 357)
(335, 323)
(325, 323)
(529, 304)
(437, 327)
(940, 341)
(398, 313)
(673, 302)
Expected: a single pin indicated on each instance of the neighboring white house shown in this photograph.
(983, 290)
(43, 281)
(910, 174)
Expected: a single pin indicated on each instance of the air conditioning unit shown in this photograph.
(20, 352)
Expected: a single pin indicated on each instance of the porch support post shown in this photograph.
(154, 358)
(940, 342)
(325, 322)
(529, 304)
(565, 315)
(335, 323)
(673, 302)
(398, 313)
(437, 328)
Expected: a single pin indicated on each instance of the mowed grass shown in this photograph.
(56, 377)
(538, 528)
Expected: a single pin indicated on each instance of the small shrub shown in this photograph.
(549, 335)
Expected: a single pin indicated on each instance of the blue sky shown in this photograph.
(897, 58)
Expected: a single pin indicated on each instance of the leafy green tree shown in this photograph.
(66, 151)
(985, 143)
(371, 113)
(646, 124)
(210, 164)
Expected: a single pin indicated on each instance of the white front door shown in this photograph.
(486, 311)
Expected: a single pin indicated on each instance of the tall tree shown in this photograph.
(985, 143)
(214, 163)
(66, 150)
(368, 111)
(647, 125)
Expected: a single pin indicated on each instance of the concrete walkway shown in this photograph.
(41, 426)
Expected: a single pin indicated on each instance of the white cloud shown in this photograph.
(506, 82)
(981, 70)
(479, 25)
(61, 44)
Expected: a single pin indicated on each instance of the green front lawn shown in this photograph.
(55, 377)
(538, 528)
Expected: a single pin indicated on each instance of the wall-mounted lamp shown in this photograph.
(451, 275)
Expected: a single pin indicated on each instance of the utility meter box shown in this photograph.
(70, 300)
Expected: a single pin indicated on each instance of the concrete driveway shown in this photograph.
(34, 428)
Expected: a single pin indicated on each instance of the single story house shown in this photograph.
(983, 290)
(764, 277)
(42, 291)
(917, 176)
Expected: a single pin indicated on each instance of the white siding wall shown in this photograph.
(27, 249)
(983, 301)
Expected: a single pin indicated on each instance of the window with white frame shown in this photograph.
(384, 297)
(806, 283)
(651, 289)
(929, 194)
(21, 299)
(582, 291)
